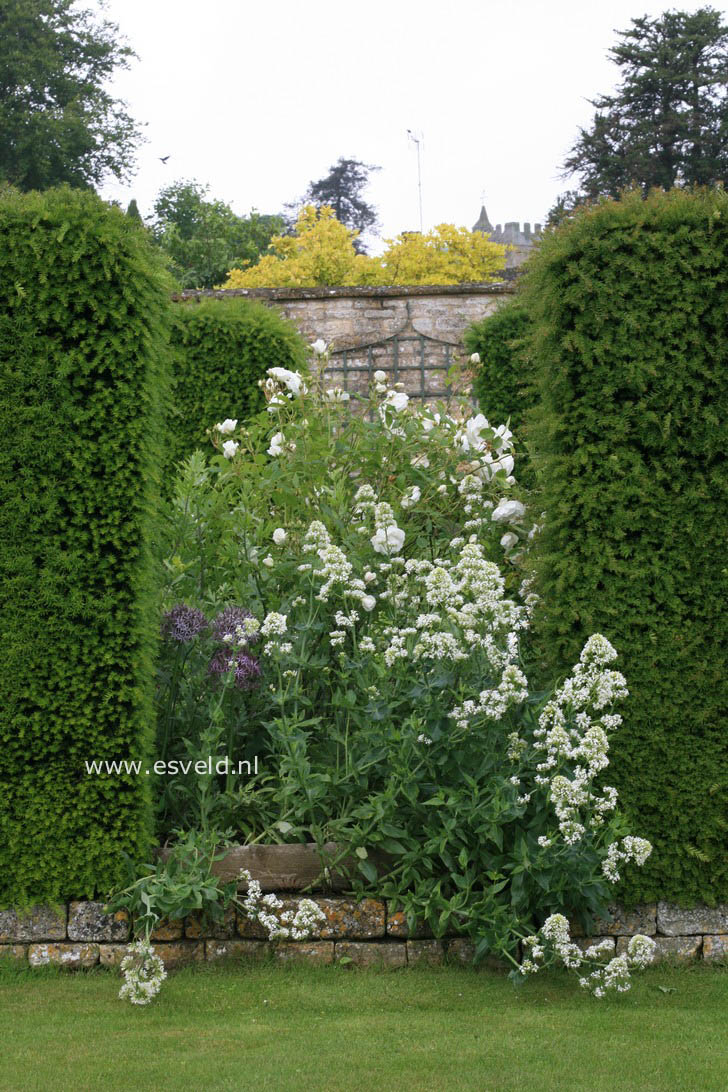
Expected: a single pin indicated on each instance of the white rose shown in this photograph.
(228, 425)
(276, 444)
(319, 347)
(380, 376)
(268, 561)
(369, 577)
(368, 602)
(508, 511)
(428, 423)
(420, 461)
(470, 438)
(389, 540)
(276, 402)
(502, 437)
(412, 496)
(279, 536)
(292, 380)
(509, 540)
(380, 388)
(229, 448)
(398, 400)
(336, 394)
(475, 358)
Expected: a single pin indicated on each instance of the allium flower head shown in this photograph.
(246, 667)
(228, 620)
(183, 623)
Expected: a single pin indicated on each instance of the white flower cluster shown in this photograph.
(143, 973)
(614, 974)
(570, 732)
(631, 849)
(280, 924)
(275, 626)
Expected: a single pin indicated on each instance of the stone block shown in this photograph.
(72, 956)
(349, 919)
(242, 950)
(223, 930)
(669, 949)
(397, 927)
(640, 919)
(15, 952)
(587, 942)
(181, 952)
(372, 955)
(167, 930)
(673, 921)
(303, 952)
(111, 955)
(715, 948)
(88, 921)
(425, 952)
(462, 950)
(345, 919)
(40, 922)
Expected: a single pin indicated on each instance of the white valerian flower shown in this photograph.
(336, 394)
(368, 602)
(276, 444)
(319, 346)
(388, 540)
(509, 540)
(229, 448)
(279, 536)
(380, 376)
(475, 358)
(508, 511)
(228, 425)
(274, 624)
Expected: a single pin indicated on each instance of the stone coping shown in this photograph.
(364, 932)
(324, 292)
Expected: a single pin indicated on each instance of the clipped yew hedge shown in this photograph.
(221, 349)
(629, 304)
(83, 310)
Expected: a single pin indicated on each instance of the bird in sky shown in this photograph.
(163, 158)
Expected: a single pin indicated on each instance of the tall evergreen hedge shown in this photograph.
(221, 349)
(83, 308)
(630, 308)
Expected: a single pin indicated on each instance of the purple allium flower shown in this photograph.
(183, 623)
(247, 667)
(228, 620)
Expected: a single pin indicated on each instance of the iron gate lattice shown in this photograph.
(416, 360)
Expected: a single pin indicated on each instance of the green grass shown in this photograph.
(336, 1029)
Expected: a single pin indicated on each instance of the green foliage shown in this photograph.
(82, 324)
(221, 350)
(501, 382)
(666, 124)
(630, 347)
(58, 123)
(203, 239)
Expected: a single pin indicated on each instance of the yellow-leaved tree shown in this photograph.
(445, 255)
(322, 252)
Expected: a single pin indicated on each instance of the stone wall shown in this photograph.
(413, 333)
(364, 933)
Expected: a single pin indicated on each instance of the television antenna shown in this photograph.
(417, 139)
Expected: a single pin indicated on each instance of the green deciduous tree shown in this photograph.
(203, 239)
(57, 122)
(667, 123)
(341, 190)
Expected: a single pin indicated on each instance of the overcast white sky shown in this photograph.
(257, 99)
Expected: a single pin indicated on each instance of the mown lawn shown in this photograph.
(335, 1029)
